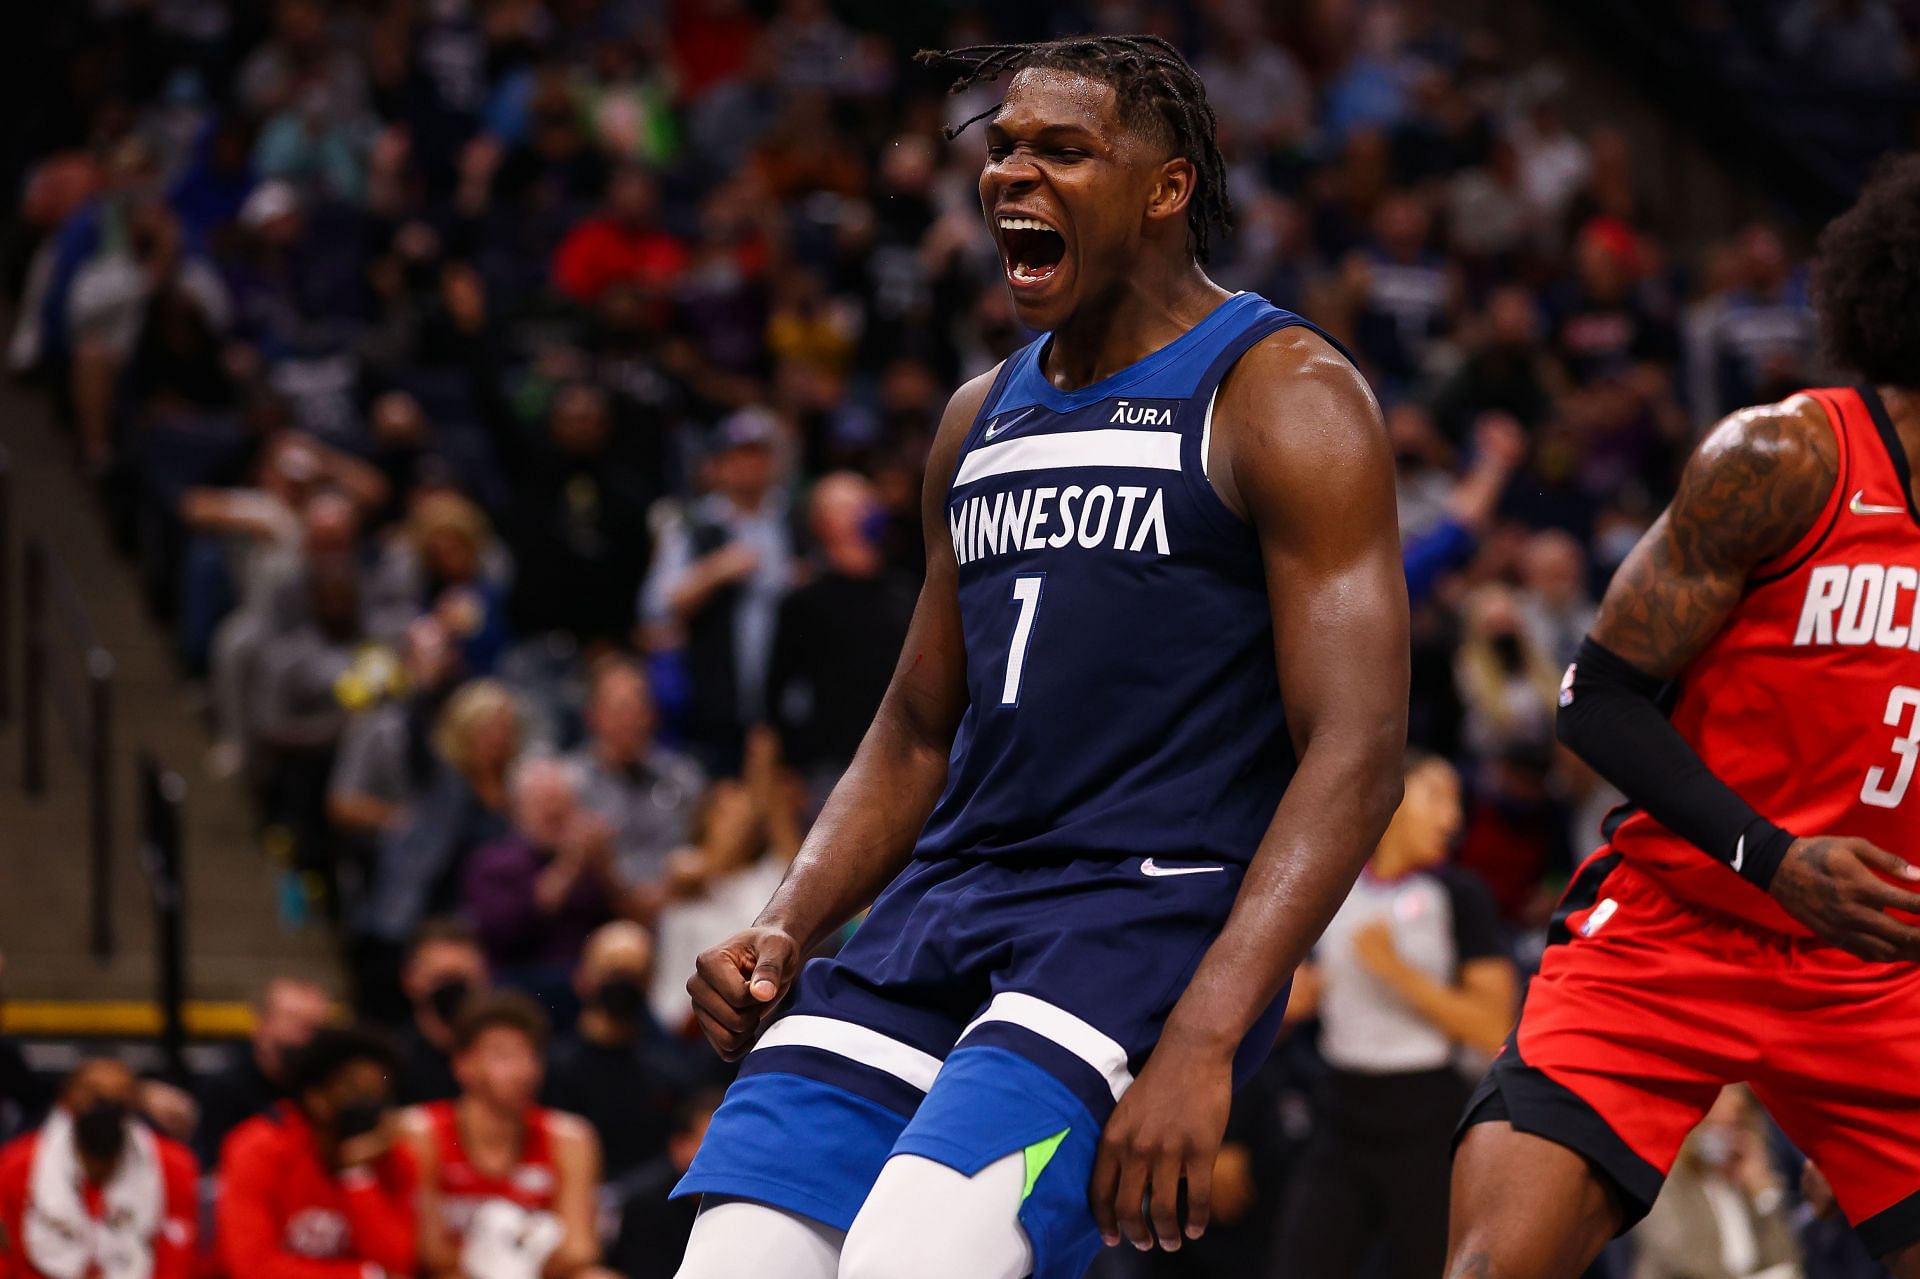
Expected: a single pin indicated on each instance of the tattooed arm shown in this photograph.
(1754, 488)
(1751, 493)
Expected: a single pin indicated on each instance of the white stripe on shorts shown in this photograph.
(1049, 1021)
(855, 1043)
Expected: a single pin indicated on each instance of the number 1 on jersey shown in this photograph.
(1902, 707)
(1026, 590)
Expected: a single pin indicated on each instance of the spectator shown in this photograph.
(1723, 1213)
(653, 1228)
(287, 1013)
(508, 1186)
(717, 579)
(1517, 835)
(535, 896)
(444, 970)
(1506, 369)
(320, 1188)
(838, 638)
(1409, 973)
(1762, 345)
(579, 520)
(617, 1069)
(95, 1192)
(1499, 447)
(449, 565)
(623, 245)
(1603, 325)
(386, 755)
(418, 868)
(1405, 293)
(1555, 606)
(647, 792)
(295, 516)
(746, 837)
(1507, 681)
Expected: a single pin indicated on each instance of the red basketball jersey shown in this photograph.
(1807, 703)
(530, 1183)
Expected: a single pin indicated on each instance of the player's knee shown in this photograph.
(927, 1221)
(733, 1237)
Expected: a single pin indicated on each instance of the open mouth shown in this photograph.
(1033, 250)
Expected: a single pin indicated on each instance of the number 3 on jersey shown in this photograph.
(1026, 592)
(1903, 708)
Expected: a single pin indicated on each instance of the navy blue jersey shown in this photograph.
(1120, 664)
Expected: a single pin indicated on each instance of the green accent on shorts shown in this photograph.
(1039, 1155)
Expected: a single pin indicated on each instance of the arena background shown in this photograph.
(381, 372)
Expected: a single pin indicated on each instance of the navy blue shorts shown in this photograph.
(982, 1009)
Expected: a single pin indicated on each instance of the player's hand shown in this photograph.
(1166, 1129)
(1838, 887)
(735, 984)
(369, 1147)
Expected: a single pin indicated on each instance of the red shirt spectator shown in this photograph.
(711, 41)
(621, 246)
(318, 1188)
(138, 1199)
(284, 1214)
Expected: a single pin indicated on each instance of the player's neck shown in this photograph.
(484, 1126)
(1903, 407)
(1142, 314)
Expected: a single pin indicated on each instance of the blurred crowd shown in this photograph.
(517, 410)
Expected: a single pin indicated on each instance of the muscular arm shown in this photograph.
(866, 830)
(1752, 491)
(1307, 459)
(1754, 488)
(865, 833)
(1301, 451)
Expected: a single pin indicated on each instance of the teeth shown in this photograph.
(1023, 224)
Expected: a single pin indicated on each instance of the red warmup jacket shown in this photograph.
(284, 1214)
(173, 1246)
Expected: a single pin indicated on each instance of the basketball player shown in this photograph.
(1104, 843)
(492, 1147)
(1753, 686)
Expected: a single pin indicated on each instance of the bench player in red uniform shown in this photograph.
(493, 1164)
(1753, 686)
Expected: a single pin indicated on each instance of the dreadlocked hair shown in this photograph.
(1153, 85)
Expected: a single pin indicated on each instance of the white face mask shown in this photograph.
(1714, 1146)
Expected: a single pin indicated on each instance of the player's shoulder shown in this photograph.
(1760, 478)
(1294, 382)
(966, 402)
(1793, 436)
(565, 1128)
(260, 1136)
(1295, 411)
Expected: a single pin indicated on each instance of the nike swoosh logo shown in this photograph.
(1859, 506)
(1739, 854)
(995, 428)
(1151, 871)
